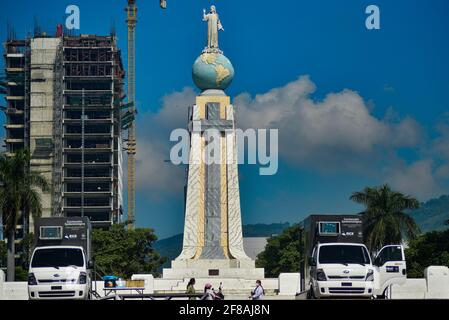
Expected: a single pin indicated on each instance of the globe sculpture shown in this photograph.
(212, 70)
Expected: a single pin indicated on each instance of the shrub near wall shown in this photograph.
(429, 249)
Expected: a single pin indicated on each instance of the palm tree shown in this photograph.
(18, 193)
(384, 219)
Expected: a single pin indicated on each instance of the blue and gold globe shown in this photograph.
(212, 71)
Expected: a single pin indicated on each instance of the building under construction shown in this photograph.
(63, 102)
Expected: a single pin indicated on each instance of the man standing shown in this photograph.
(258, 292)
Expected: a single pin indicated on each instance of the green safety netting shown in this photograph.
(127, 105)
(127, 119)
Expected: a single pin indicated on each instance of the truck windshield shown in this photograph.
(62, 257)
(344, 254)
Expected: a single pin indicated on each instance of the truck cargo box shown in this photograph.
(64, 231)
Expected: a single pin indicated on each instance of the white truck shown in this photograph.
(340, 264)
(60, 266)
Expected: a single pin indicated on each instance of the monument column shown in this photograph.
(213, 241)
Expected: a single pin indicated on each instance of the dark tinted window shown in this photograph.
(343, 254)
(389, 254)
(57, 257)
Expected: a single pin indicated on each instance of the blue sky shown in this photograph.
(400, 73)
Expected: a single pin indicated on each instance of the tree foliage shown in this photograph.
(19, 193)
(124, 252)
(283, 253)
(21, 270)
(384, 219)
(429, 249)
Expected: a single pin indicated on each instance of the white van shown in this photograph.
(59, 272)
(346, 270)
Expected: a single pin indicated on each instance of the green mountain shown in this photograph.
(433, 214)
(171, 247)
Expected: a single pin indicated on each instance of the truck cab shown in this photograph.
(60, 266)
(59, 272)
(340, 265)
(346, 270)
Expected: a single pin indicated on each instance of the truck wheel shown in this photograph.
(383, 296)
(311, 294)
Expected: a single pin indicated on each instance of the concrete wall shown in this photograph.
(2, 280)
(437, 282)
(15, 291)
(412, 289)
(43, 57)
(434, 285)
(289, 284)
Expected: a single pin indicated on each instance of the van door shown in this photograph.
(390, 268)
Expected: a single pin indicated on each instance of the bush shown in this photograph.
(429, 249)
(282, 253)
(123, 252)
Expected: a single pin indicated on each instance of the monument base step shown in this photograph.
(203, 268)
(229, 286)
(213, 264)
(219, 273)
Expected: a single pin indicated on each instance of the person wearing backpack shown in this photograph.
(259, 292)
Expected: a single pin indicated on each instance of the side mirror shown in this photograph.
(312, 262)
(90, 264)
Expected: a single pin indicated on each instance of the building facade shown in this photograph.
(63, 103)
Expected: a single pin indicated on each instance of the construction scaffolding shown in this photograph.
(93, 83)
(14, 84)
(16, 96)
(57, 135)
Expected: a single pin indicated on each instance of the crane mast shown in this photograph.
(131, 147)
(131, 21)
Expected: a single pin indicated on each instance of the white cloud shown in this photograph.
(336, 133)
(440, 150)
(154, 175)
(442, 172)
(441, 143)
(417, 179)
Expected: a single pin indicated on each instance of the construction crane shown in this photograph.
(128, 118)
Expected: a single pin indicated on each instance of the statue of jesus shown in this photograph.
(214, 25)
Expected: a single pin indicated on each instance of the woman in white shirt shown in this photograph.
(258, 292)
